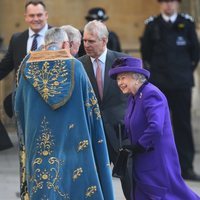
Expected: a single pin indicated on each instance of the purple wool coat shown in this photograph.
(157, 173)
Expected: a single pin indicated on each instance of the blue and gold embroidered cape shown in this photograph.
(63, 150)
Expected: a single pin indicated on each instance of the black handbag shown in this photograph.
(120, 167)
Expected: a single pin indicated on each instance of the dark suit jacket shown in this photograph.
(12, 59)
(15, 54)
(113, 104)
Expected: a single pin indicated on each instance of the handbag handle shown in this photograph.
(120, 135)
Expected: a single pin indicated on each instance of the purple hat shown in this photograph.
(127, 64)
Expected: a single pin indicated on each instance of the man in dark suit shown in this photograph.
(21, 43)
(170, 49)
(97, 62)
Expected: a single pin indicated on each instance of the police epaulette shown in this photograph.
(187, 16)
(150, 19)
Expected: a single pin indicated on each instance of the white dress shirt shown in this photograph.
(169, 18)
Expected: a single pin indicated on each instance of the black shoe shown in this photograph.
(190, 175)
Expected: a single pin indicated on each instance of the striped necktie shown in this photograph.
(99, 78)
(34, 43)
(169, 23)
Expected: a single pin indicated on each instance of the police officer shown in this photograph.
(100, 15)
(170, 50)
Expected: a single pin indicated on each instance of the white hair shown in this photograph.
(55, 37)
(73, 33)
(97, 27)
(140, 77)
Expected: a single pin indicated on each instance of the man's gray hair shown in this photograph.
(97, 27)
(73, 33)
(55, 37)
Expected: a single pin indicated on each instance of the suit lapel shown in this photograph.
(90, 72)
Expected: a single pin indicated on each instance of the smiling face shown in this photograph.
(36, 17)
(127, 83)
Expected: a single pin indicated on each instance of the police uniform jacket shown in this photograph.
(171, 51)
(15, 54)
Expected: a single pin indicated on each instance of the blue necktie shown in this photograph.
(34, 44)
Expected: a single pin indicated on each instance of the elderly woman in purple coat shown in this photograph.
(156, 167)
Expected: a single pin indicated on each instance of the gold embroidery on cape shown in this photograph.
(92, 103)
(46, 167)
(23, 163)
(22, 158)
(47, 80)
(77, 173)
(90, 191)
(83, 145)
(26, 196)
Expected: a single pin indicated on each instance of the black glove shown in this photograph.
(137, 148)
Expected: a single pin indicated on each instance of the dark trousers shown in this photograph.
(126, 181)
(180, 107)
(5, 142)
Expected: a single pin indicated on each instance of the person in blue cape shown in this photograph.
(63, 151)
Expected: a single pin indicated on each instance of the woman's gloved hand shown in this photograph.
(136, 148)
